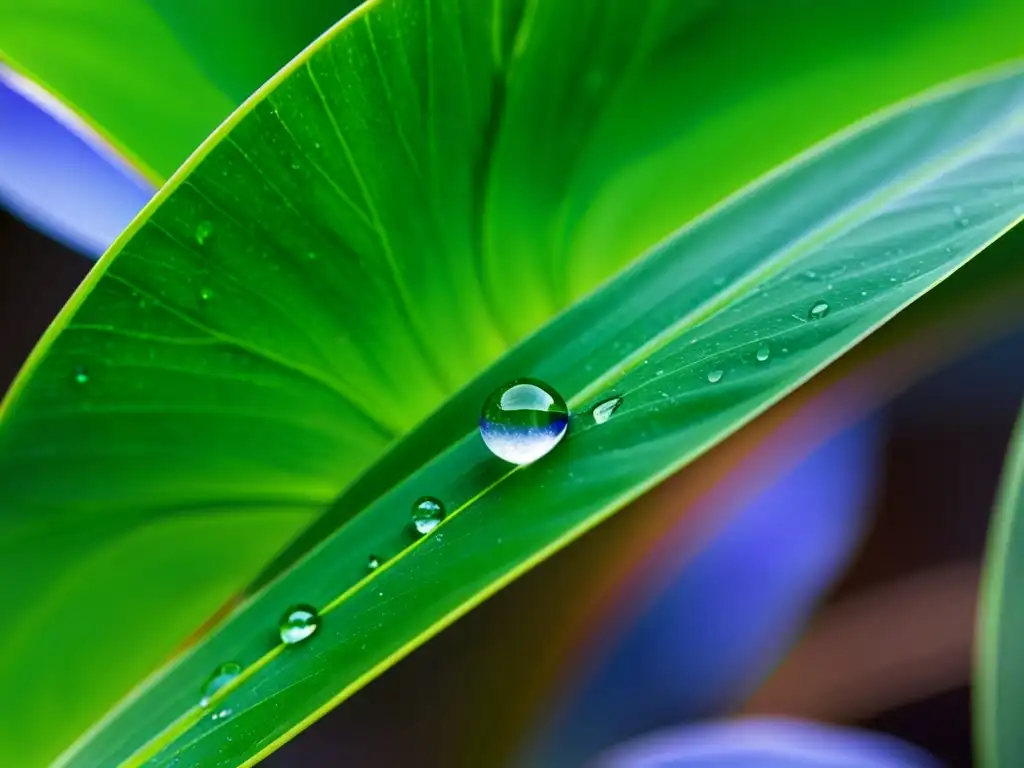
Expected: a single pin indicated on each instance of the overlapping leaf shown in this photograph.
(156, 76)
(369, 233)
(700, 336)
(999, 681)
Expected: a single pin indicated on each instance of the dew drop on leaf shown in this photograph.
(220, 677)
(203, 230)
(221, 715)
(763, 353)
(715, 376)
(372, 563)
(206, 294)
(298, 623)
(818, 311)
(523, 420)
(604, 410)
(427, 514)
(81, 377)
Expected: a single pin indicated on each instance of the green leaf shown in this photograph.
(999, 677)
(856, 228)
(155, 77)
(358, 242)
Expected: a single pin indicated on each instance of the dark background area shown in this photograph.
(920, 524)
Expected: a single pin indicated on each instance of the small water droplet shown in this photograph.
(372, 563)
(818, 311)
(298, 623)
(222, 715)
(719, 281)
(958, 210)
(206, 294)
(892, 279)
(311, 255)
(763, 353)
(203, 230)
(523, 420)
(715, 376)
(81, 377)
(604, 410)
(964, 222)
(427, 514)
(220, 677)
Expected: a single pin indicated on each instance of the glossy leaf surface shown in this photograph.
(373, 232)
(862, 225)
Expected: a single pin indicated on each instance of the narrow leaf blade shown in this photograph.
(864, 224)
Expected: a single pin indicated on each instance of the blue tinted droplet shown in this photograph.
(523, 420)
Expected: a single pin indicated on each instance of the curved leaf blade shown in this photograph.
(146, 442)
(155, 77)
(57, 175)
(868, 221)
(999, 675)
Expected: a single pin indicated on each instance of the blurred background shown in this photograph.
(867, 509)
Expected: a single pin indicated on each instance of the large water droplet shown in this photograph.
(221, 676)
(81, 377)
(427, 514)
(715, 376)
(818, 311)
(763, 353)
(604, 410)
(203, 230)
(523, 420)
(298, 623)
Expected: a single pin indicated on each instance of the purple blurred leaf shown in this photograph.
(58, 175)
(765, 743)
(723, 617)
